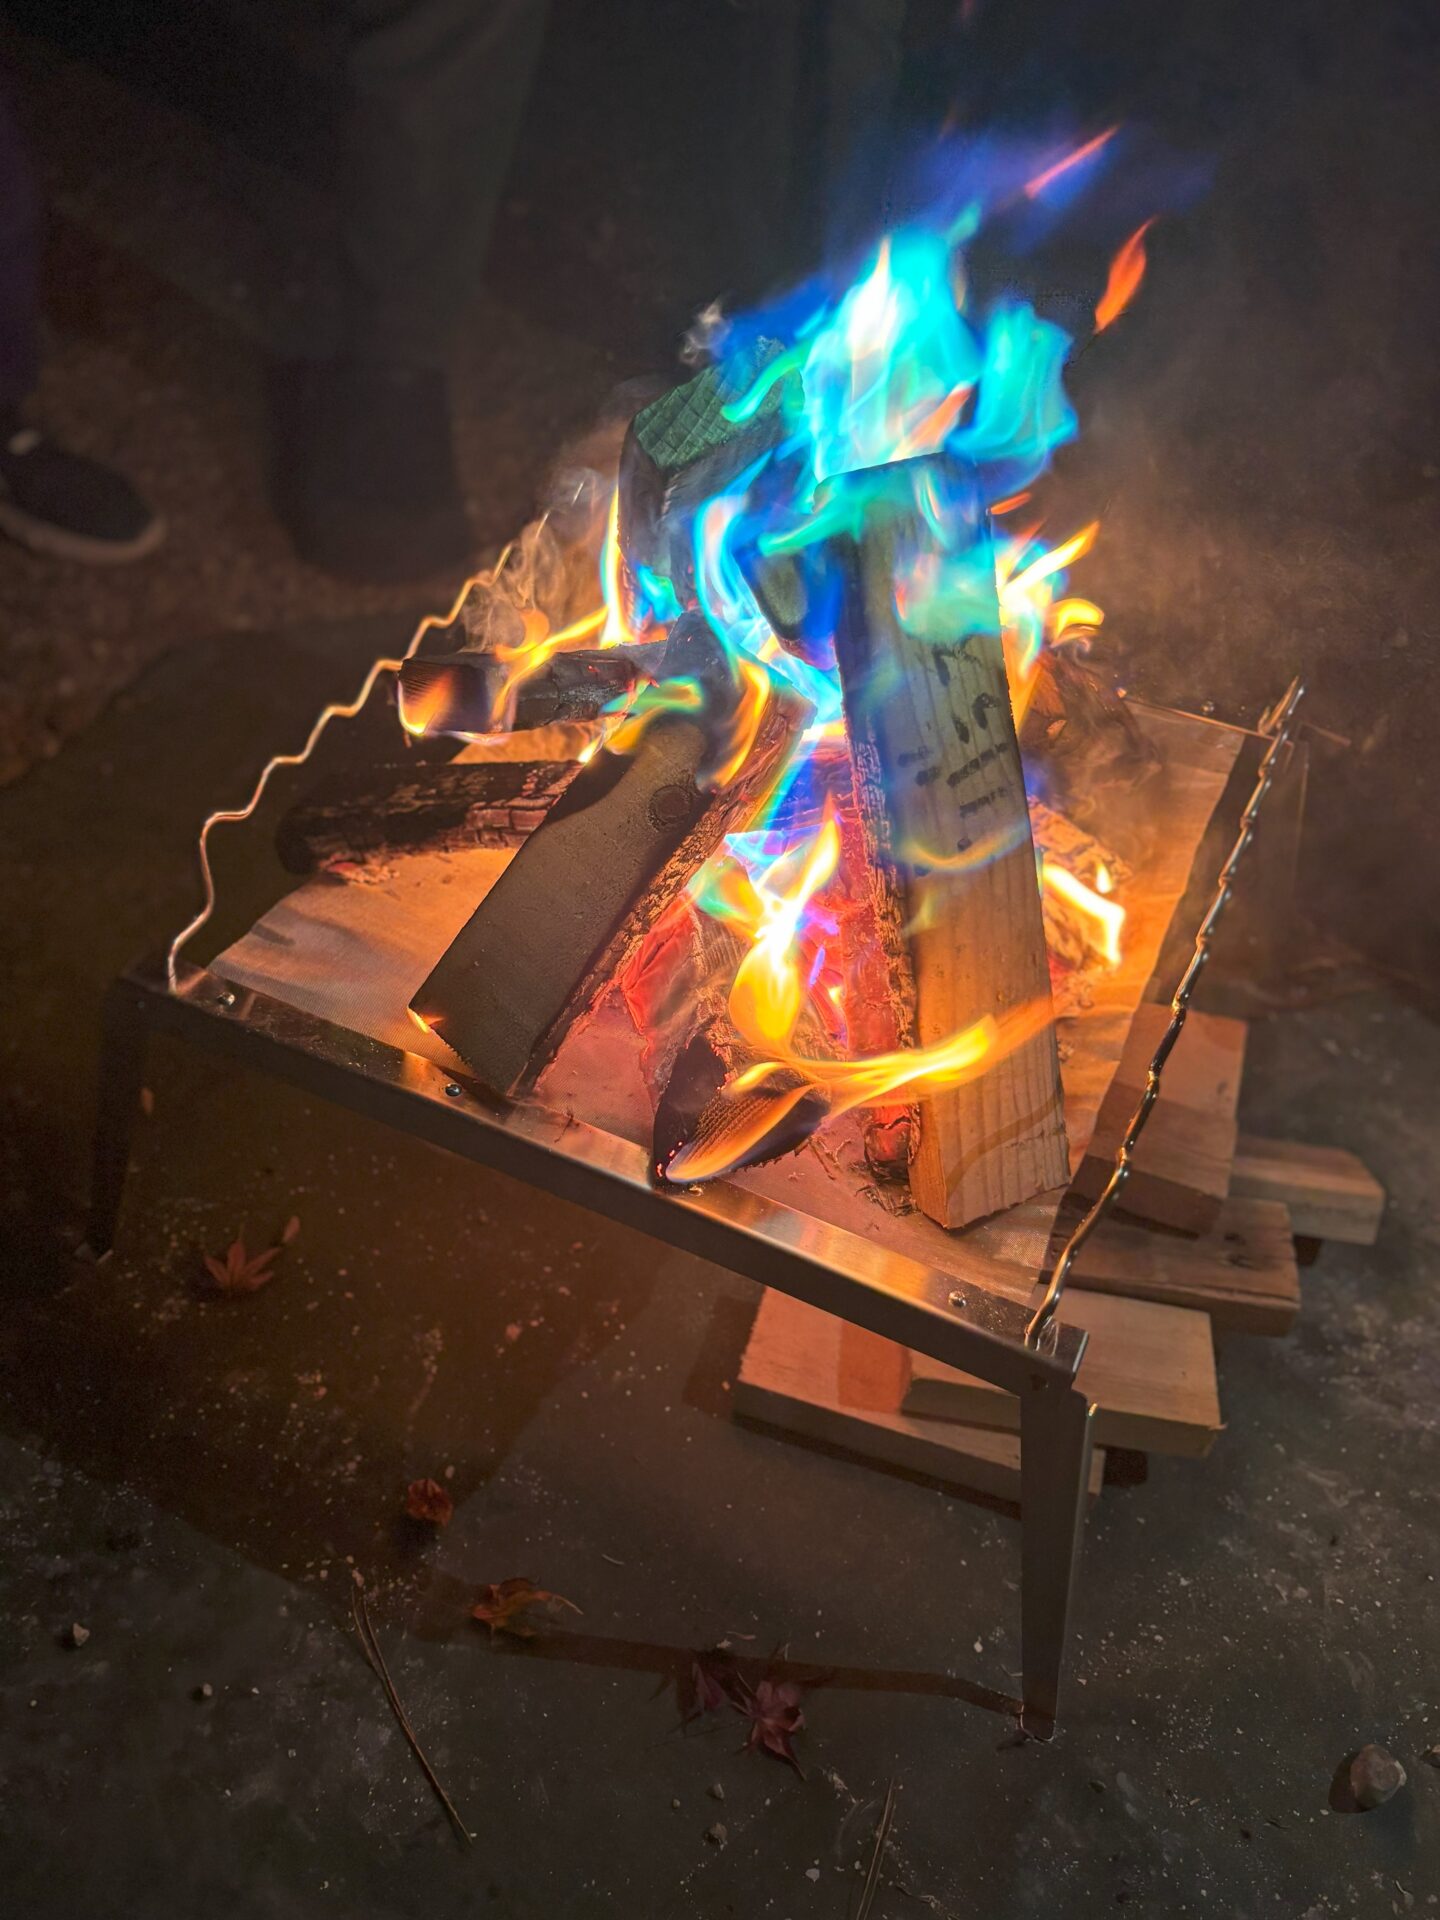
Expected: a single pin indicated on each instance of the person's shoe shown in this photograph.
(62, 504)
(364, 473)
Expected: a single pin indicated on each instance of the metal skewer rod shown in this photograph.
(1277, 723)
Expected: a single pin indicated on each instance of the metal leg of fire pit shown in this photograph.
(842, 1273)
(1056, 1427)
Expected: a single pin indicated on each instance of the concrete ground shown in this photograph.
(191, 1480)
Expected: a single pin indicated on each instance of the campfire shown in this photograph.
(837, 758)
(773, 866)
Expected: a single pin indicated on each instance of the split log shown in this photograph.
(611, 856)
(937, 771)
(1181, 1172)
(440, 806)
(809, 1374)
(1330, 1194)
(465, 693)
(1148, 1368)
(1243, 1273)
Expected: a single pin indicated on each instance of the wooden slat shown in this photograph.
(1242, 1273)
(1181, 1171)
(937, 773)
(1331, 1194)
(1149, 1368)
(810, 1374)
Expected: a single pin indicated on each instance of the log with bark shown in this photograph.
(609, 859)
(419, 805)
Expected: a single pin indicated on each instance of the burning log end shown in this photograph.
(706, 1126)
(464, 693)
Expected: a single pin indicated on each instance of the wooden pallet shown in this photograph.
(819, 1378)
(1148, 1292)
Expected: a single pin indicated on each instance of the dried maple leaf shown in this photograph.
(427, 1500)
(503, 1606)
(241, 1271)
(775, 1713)
(709, 1684)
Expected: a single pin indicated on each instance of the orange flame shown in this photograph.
(1034, 188)
(1127, 270)
(1104, 917)
(755, 692)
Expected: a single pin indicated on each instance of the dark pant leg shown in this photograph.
(435, 92)
(19, 261)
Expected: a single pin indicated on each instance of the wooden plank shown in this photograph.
(1243, 1273)
(1330, 1193)
(937, 773)
(1149, 1368)
(1181, 1172)
(611, 855)
(811, 1374)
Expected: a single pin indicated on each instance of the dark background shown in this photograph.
(1259, 434)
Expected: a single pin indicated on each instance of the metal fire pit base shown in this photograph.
(890, 1294)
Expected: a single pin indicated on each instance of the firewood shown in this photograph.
(441, 806)
(937, 772)
(468, 692)
(680, 452)
(611, 856)
(1181, 1171)
(1095, 753)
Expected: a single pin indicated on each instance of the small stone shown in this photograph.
(812, 1873)
(675, 1806)
(717, 1835)
(78, 1635)
(717, 1791)
(1375, 1777)
(204, 1691)
(1431, 1756)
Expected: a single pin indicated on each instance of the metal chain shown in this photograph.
(1277, 723)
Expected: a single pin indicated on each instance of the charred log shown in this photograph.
(468, 693)
(444, 807)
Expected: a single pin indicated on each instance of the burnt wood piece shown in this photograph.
(1094, 752)
(466, 692)
(443, 807)
(937, 771)
(681, 451)
(612, 854)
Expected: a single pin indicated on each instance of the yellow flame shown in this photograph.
(1029, 614)
(535, 648)
(616, 628)
(767, 994)
(1104, 918)
(417, 712)
(755, 692)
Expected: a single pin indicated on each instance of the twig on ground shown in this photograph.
(370, 1646)
(882, 1840)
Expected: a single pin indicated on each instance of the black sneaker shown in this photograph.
(62, 504)
(364, 471)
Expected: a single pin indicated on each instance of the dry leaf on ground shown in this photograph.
(427, 1500)
(505, 1606)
